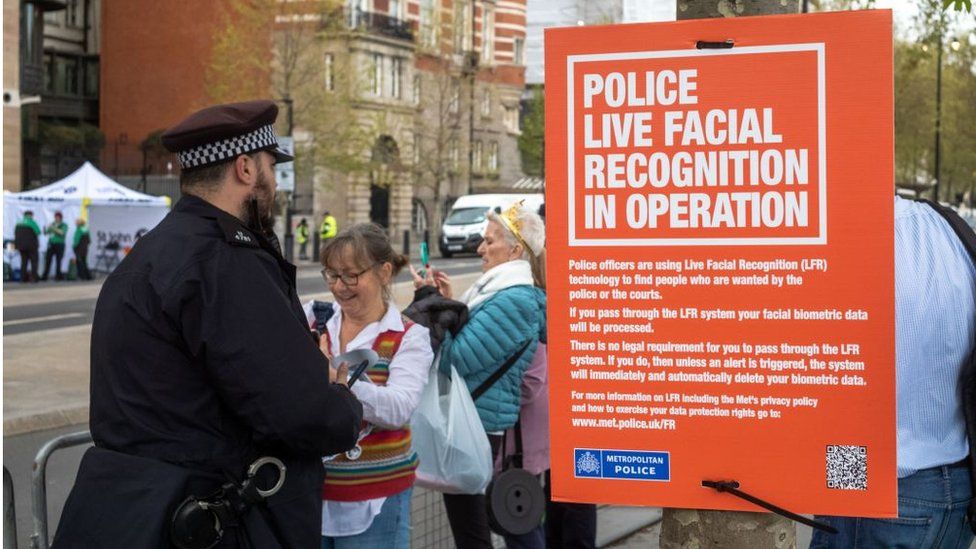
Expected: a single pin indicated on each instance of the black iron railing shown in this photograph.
(380, 23)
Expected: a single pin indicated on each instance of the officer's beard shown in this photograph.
(259, 214)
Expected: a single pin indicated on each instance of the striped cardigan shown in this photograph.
(388, 463)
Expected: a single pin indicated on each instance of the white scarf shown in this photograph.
(511, 273)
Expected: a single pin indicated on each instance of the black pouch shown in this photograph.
(515, 498)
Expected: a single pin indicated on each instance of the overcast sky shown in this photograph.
(547, 13)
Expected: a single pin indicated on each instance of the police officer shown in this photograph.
(202, 362)
(301, 236)
(329, 227)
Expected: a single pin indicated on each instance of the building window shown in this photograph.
(91, 78)
(62, 75)
(329, 72)
(455, 156)
(519, 51)
(493, 156)
(396, 75)
(486, 104)
(376, 75)
(511, 119)
(430, 23)
(487, 34)
(462, 26)
(455, 104)
(394, 11)
(73, 14)
(358, 9)
(477, 160)
(416, 89)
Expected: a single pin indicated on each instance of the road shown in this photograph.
(37, 317)
(32, 310)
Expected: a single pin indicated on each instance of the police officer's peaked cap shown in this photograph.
(224, 132)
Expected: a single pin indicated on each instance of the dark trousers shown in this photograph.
(55, 251)
(28, 257)
(468, 513)
(81, 260)
(303, 250)
(571, 525)
(468, 516)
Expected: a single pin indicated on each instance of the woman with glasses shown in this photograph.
(366, 495)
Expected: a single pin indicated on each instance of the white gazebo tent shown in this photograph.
(114, 213)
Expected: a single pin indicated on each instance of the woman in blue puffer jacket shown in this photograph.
(507, 318)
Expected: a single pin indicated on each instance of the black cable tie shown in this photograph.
(732, 487)
(706, 45)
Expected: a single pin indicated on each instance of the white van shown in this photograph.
(465, 224)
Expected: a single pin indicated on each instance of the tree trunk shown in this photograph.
(689, 528)
(703, 9)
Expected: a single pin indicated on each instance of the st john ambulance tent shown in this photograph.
(117, 216)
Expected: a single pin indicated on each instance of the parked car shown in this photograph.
(466, 222)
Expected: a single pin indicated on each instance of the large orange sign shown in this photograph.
(721, 273)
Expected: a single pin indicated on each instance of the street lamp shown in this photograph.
(955, 45)
(289, 247)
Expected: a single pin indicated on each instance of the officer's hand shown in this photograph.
(340, 376)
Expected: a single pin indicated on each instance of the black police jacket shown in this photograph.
(202, 361)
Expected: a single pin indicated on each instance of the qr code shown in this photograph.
(847, 467)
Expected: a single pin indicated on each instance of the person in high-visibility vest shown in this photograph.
(329, 228)
(301, 236)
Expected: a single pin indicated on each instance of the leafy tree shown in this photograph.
(532, 141)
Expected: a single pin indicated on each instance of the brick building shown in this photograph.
(439, 94)
(433, 94)
(52, 102)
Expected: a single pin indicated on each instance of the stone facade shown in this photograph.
(408, 77)
(11, 98)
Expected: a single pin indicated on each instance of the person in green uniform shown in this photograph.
(56, 233)
(80, 246)
(301, 235)
(25, 240)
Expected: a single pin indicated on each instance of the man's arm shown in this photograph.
(261, 357)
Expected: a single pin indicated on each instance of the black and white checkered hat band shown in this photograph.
(212, 153)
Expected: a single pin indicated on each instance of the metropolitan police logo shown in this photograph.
(242, 237)
(587, 464)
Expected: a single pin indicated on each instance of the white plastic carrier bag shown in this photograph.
(451, 444)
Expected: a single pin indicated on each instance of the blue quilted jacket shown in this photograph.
(496, 330)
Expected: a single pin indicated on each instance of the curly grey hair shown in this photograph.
(533, 232)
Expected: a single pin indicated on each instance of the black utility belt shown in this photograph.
(199, 522)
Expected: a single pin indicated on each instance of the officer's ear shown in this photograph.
(245, 169)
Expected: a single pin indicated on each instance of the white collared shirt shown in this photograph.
(389, 406)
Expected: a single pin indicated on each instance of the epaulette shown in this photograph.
(236, 234)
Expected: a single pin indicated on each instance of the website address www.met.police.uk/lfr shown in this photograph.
(621, 424)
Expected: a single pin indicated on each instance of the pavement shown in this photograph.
(46, 343)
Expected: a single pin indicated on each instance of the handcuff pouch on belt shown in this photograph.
(199, 522)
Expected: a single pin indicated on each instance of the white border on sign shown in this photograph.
(601, 477)
(755, 241)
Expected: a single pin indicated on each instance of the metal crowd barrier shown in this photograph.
(429, 525)
(9, 514)
(39, 483)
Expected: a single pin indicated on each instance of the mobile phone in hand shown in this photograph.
(424, 258)
(357, 372)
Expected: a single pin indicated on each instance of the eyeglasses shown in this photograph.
(349, 279)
